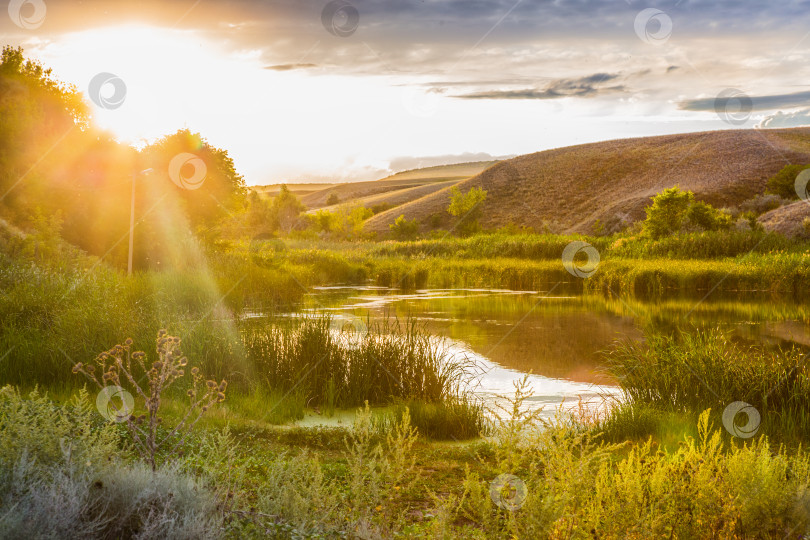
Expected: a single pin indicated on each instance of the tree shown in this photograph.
(286, 209)
(402, 229)
(466, 207)
(668, 212)
(332, 200)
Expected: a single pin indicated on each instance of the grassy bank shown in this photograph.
(260, 482)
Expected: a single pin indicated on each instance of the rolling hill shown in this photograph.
(568, 189)
(396, 189)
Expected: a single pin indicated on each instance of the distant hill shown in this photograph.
(568, 189)
(396, 189)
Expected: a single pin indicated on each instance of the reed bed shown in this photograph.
(692, 371)
(392, 360)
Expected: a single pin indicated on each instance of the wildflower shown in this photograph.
(190, 393)
(128, 342)
(223, 385)
(195, 370)
(158, 365)
(220, 397)
(77, 367)
(211, 384)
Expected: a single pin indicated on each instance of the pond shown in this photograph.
(560, 340)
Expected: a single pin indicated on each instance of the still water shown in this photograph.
(560, 340)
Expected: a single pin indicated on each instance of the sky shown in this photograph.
(351, 90)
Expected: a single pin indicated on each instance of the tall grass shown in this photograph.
(392, 360)
(692, 371)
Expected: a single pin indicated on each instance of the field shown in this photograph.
(580, 350)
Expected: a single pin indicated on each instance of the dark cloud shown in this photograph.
(786, 120)
(757, 103)
(587, 86)
(289, 67)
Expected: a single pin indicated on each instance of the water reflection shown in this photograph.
(560, 340)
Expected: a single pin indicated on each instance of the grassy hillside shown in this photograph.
(569, 189)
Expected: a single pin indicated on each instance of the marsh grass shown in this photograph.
(459, 418)
(689, 372)
(393, 360)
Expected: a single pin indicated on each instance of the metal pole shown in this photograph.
(131, 226)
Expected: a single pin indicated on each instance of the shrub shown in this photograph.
(62, 475)
(763, 203)
(707, 218)
(467, 208)
(332, 199)
(783, 183)
(402, 229)
(668, 212)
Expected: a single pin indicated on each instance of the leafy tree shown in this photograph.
(467, 207)
(783, 183)
(285, 210)
(668, 212)
(402, 229)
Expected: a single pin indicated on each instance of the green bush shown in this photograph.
(783, 183)
(402, 229)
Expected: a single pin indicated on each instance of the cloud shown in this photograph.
(785, 120)
(758, 103)
(587, 86)
(289, 67)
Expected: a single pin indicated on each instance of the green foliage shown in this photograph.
(707, 218)
(120, 366)
(668, 212)
(457, 419)
(690, 372)
(674, 210)
(285, 210)
(62, 475)
(467, 207)
(783, 183)
(332, 199)
(387, 362)
(345, 223)
(402, 229)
